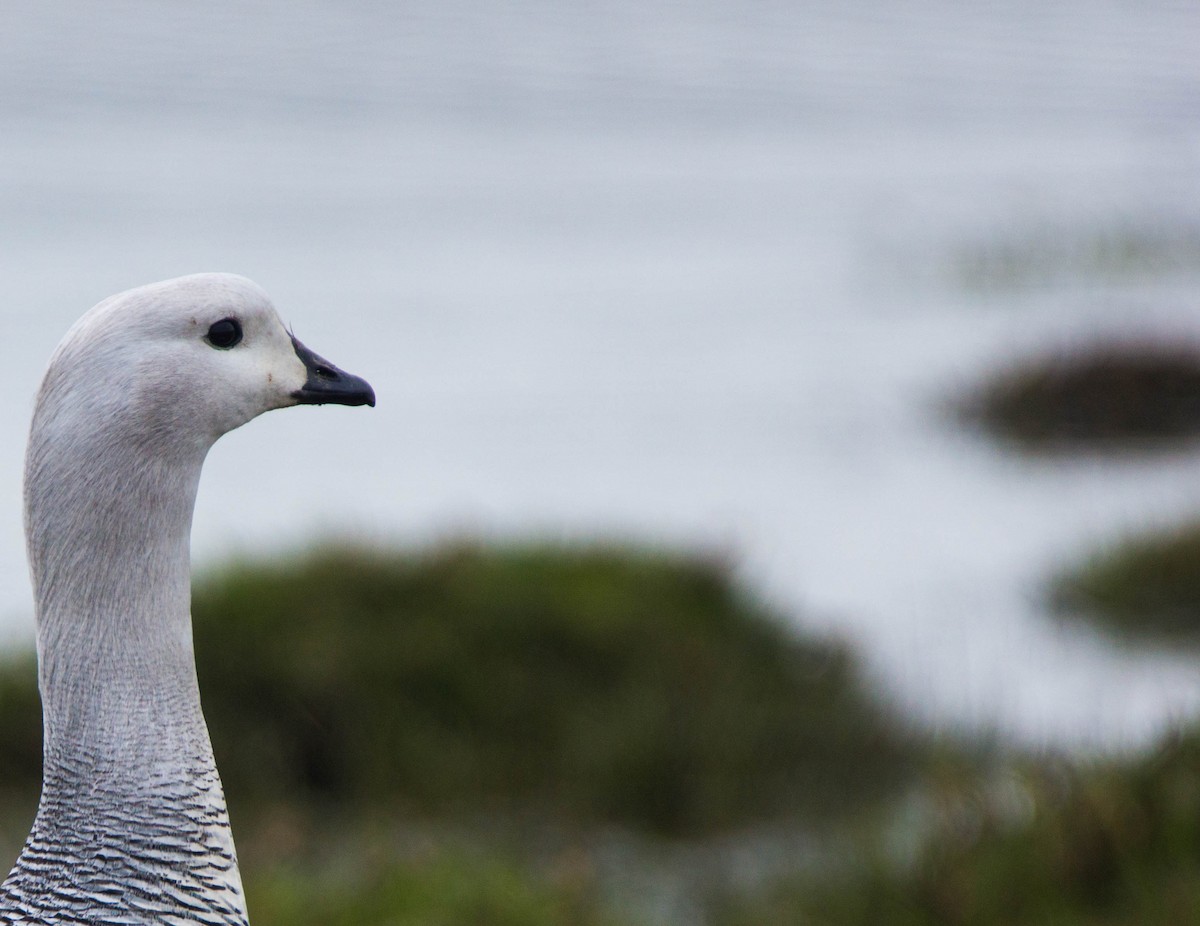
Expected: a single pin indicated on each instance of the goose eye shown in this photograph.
(225, 333)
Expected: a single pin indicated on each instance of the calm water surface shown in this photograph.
(695, 273)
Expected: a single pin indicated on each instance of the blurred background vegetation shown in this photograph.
(548, 734)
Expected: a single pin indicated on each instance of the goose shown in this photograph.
(132, 827)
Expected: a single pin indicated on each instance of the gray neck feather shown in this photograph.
(132, 826)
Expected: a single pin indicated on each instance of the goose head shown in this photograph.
(134, 397)
(174, 365)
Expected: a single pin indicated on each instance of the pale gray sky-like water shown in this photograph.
(697, 274)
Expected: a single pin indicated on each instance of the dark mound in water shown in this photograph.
(1107, 397)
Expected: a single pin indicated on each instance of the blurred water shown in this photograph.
(694, 273)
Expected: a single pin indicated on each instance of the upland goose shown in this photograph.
(132, 826)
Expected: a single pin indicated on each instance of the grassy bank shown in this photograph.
(593, 686)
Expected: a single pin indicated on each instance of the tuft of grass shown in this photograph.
(1108, 397)
(1146, 586)
(587, 686)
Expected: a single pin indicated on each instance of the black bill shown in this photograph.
(327, 385)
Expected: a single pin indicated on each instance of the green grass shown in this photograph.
(434, 887)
